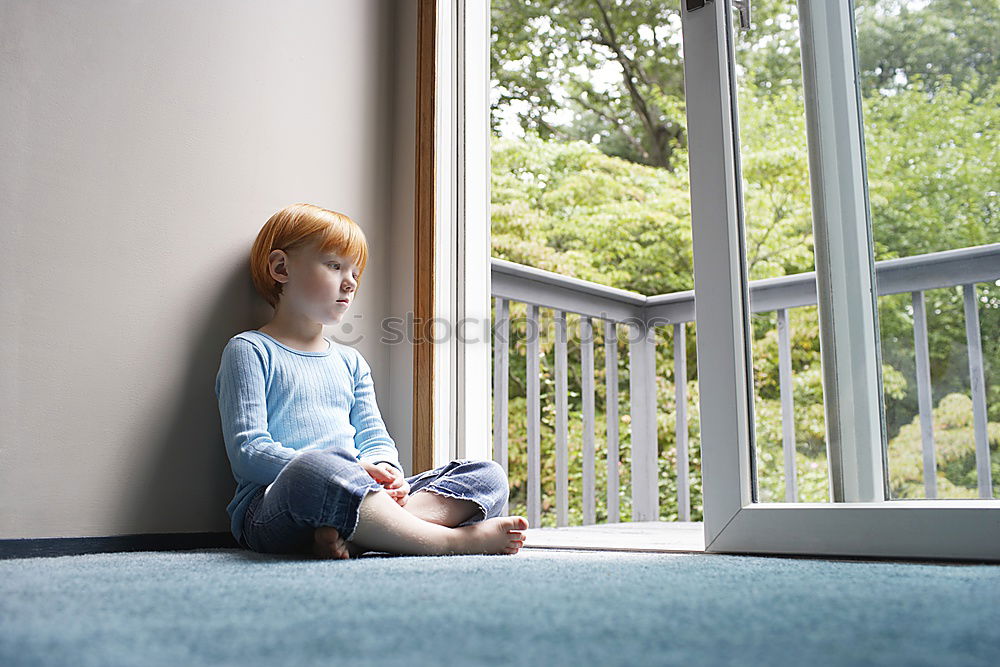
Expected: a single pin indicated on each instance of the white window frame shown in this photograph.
(734, 523)
(462, 370)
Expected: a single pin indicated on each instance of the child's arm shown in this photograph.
(373, 441)
(253, 454)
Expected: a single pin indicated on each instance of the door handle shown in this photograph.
(743, 7)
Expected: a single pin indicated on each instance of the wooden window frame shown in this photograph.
(452, 346)
(423, 238)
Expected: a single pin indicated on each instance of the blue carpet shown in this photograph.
(539, 607)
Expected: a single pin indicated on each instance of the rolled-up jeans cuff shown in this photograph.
(351, 516)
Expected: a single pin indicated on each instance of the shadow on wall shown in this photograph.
(187, 481)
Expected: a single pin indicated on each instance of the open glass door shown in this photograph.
(827, 429)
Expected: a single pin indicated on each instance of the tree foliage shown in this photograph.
(546, 52)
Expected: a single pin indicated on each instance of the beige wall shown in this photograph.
(142, 145)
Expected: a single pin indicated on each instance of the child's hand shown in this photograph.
(398, 488)
(391, 479)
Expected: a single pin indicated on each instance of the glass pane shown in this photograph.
(930, 107)
(930, 85)
(774, 159)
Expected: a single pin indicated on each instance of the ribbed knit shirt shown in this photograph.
(276, 401)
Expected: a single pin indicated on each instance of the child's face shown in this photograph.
(319, 285)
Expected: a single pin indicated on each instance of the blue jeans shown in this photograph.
(326, 487)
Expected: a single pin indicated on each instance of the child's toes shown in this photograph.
(326, 534)
(327, 543)
(322, 550)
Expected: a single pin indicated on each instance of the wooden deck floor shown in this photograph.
(657, 536)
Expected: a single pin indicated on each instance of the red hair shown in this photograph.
(301, 225)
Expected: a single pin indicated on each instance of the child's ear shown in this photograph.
(278, 265)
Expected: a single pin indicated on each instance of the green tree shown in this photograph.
(954, 450)
(615, 66)
(568, 208)
(943, 42)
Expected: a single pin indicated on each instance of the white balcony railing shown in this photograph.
(642, 315)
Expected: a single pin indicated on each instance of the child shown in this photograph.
(316, 470)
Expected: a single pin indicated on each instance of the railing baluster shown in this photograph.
(787, 406)
(978, 382)
(562, 469)
(680, 399)
(543, 289)
(587, 399)
(924, 402)
(611, 411)
(534, 449)
(501, 360)
(642, 395)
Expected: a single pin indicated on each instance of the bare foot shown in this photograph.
(499, 535)
(327, 543)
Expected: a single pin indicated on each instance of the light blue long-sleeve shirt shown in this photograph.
(276, 401)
